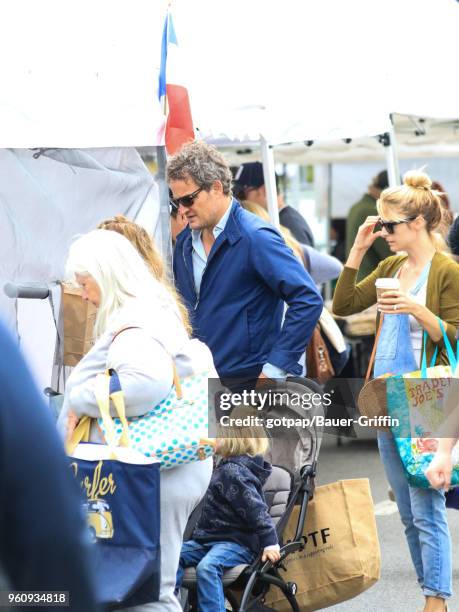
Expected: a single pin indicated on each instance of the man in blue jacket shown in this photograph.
(235, 272)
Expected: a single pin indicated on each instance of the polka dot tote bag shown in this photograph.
(176, 430)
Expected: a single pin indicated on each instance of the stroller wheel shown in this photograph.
(292, 587)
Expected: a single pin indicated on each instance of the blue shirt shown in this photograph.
(199, 253)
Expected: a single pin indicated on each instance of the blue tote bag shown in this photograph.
(121, 499)
(415, 404)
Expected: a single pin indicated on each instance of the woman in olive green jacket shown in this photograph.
(429, 291)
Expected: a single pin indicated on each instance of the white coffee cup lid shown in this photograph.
(387, 283)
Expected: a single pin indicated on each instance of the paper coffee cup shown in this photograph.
(386, 284)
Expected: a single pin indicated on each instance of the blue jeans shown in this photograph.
(210, 560)
(423, 514)
(394, 352)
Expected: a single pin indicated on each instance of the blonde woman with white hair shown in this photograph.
(139, 332)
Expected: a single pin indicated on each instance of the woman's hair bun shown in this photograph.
(417, 180)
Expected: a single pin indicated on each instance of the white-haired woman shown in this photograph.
(115, 278)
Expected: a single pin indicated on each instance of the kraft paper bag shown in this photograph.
(79, 317)
(341, 558)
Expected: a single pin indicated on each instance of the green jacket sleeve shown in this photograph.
(350, 298)
(449, 303)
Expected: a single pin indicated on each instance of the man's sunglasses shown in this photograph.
(186, 200)
(389, 226)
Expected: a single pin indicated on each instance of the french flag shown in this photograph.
(174, 96)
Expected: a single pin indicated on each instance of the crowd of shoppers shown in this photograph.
(244, 304)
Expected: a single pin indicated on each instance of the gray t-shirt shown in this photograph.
(321, 266)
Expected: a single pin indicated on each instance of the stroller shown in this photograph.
(294, 454)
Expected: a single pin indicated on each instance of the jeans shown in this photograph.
(210, 560)
(423, 514)
(394, 352)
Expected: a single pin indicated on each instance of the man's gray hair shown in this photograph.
(203, 164)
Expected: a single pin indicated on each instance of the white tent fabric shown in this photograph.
(290, 70)
(45, 201)
(301, 70)
(425, 138)
(80, 73)
(422, 50)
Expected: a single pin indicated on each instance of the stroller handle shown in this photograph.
(34, 291)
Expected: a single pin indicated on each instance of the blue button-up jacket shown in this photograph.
(250, 273)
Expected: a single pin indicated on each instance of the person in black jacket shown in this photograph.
(453, 239)
(249, 184)
(43, 537)
(235, 524)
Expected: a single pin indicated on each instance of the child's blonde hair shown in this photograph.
(248, 439)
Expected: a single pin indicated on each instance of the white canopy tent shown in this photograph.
(80, 74)
(420, 137)
(84, 75)
(45, 201)
(79, 87)
(326, 72)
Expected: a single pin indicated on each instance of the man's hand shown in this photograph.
(263, 381)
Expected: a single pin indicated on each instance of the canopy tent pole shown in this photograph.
(270, 180)
(164, 209)
(329, 174)
(388, 142)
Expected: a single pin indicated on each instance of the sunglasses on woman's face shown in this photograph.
(389, 226)
(186, 200)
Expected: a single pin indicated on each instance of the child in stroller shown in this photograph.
(293, 453)
(235, 523)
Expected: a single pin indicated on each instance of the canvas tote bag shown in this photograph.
(415, 401)
(121, 499)
(341, 557)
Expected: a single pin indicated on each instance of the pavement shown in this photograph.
(397, 590)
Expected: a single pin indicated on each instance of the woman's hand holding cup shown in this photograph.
(391, 300)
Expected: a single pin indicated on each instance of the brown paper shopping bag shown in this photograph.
(79, 317)
(341, 557)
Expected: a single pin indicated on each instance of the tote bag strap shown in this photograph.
(104, 389)
(373, 352)
(79, 434)
(453, 359)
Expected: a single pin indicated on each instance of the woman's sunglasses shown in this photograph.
(186, 200)
(389, 226)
